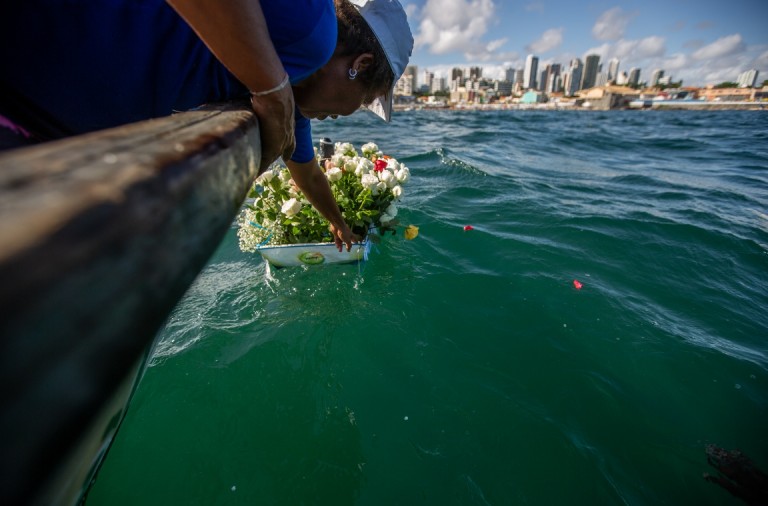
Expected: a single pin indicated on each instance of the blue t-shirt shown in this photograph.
(73, 66)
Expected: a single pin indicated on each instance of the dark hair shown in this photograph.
(356, 37)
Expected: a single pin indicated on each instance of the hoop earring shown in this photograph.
(352, 73)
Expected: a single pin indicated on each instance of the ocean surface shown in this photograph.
(466, 367)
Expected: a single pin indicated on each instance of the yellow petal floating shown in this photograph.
(411, 232)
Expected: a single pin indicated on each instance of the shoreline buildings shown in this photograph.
(532, 85)
(586, 81)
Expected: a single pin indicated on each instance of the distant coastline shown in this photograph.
(599, 98)
(668, 105)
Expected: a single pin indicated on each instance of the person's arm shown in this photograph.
(314, 185)
(236, 33)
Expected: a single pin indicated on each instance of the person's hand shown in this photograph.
(343, 236)
(276, 123)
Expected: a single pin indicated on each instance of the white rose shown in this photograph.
(369, 181)
(265, 177)
(403, 175)
(381, 187)
(369, 149)
(393, 165)
(345, 148)
(391, 210)
(350, 164)
(285, 175)
(387, 178)
(291, 207)
(338, 160)
(363, 167)
(397, 190)
(333, 174)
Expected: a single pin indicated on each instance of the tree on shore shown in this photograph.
(438, 93)
(726, 84)
(671, 86)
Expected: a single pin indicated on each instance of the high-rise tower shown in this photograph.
(613, 69)
(591, 68)
(529, 74)
(575, 70)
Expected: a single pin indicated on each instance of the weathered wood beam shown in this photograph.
(100, 236)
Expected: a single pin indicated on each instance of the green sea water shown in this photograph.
(464, 367)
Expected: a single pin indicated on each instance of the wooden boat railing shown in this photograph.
(100, 236)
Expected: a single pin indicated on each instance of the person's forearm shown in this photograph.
(236, 32)
(314, 185)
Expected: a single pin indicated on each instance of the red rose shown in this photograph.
(380, 165)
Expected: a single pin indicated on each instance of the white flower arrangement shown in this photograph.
(365, 186)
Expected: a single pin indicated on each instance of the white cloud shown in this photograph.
(603, 50)
(676, 61)
(611, 24)
(486, 52)
(411, 10)
(649, 47)
(496, 44)
(724, 46)
(549, 40)
(762, 60)
(457, 26)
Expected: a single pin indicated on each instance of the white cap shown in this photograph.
(389, 23)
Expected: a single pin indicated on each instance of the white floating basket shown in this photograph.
(286, 255)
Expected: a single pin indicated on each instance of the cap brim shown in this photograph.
(382, 106)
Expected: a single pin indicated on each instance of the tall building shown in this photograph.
(438, 84)
(404, 85)
(427, 79)
(529, 74)
(475, 73)
(509, 75)
(457, 77)
(591, 68)
(519, 76)
(656, 77)
(411, 71)
(602, 79)
(748, 79)
(572, 83)
(551, 78)
(634, 76)
(613, 69)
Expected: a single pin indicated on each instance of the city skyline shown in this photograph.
(699, 43)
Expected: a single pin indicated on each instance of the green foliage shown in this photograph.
(671, 86)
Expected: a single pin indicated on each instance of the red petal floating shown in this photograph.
(577, 284)
(468, 227)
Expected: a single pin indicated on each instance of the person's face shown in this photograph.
(330, 91)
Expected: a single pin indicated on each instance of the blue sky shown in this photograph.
(699, 41)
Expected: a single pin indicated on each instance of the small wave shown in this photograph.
(223, 297)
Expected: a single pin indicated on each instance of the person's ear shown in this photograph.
(362, 62)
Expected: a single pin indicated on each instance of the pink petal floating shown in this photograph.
(577, 284)
(468, 227)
